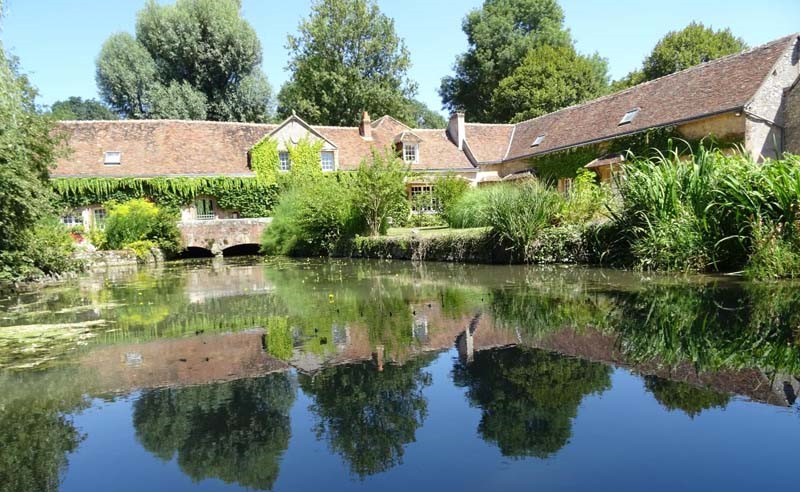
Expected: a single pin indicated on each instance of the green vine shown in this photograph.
(567, 163)
(264, 160)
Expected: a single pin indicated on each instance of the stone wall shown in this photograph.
(792, 120)
(218, 235)
(728, 126)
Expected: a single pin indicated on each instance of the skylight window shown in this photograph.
(538, 141)
(629, 116)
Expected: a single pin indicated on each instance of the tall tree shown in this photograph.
(678, 50)
(550, 78)
(424, 117)
(500, 34)
(195, 59)
(346, 58)
(76, 108)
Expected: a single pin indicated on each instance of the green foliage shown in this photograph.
(243, 428)
(76, 108)
(311, 219)
(305, 158)
(548, 79)
(679, 50)
(501, 34)
(529, 397)
(711, 212)
(29, 145)
(252, 198)
(264, 160)
(447, 190)
(137, 223)
(675, 395)
(379, 191)
(469, 209)
(517, 214)
(367, 416)
(421, 116)
(194, 59)
(586, 200)
(347, 58)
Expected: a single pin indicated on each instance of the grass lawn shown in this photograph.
(409, 232)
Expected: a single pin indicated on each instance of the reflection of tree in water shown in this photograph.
(233, 431)
(529, 397)
(674, 395)
(36, 434)
(368, 416)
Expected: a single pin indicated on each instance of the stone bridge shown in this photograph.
(220, 234)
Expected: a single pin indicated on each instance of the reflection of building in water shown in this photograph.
(181, 362)
(225, 281)
(419, 330)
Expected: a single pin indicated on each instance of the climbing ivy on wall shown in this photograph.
(305, 157)
(567, 163)
(251, 197)
(264, 160)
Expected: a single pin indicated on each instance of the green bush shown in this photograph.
(312, 219)
(773, 255)
(469, 210)
(447, 190)
(48, 250)
(517, 214)
(379, 191)
(586, 201)
(141, 220)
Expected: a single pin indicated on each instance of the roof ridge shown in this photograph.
(490, 124)
(650, 82)
(191, 122)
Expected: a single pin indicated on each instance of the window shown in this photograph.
(72, 219)
(422, 200)
(99, 215)
(411, 153)
(629, 116)
(285, 162)
(538, 141)
(205, 209)
(326, 158)
(112, 158)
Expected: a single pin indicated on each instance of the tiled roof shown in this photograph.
(488, 143)
(714, 87)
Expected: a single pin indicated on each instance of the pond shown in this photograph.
(365, 375)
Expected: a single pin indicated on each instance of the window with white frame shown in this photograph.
(99, 218)
(204, 208)
(72, 219)
(326, 160)
(285, 162)
(422, 200)
(629, 116)
(112, 158)
(411, 153)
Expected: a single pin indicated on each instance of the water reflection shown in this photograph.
(219, 352)
(235, 431)
(529, 397)
(367, 413)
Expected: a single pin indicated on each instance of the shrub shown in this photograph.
(469, 210)
(517, 214)
(773, 255)
(379, 191)
(312, 220)
(141, 220)
(586, 201)
(447, 190)
(48, 250)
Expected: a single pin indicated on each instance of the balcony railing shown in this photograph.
(211, 216)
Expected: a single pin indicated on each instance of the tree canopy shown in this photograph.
(196, 59)
(76, 108)
(679, 50)
(346, 58)
(501, 34)
(549, 78)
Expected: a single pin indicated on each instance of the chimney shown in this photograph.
(365, 128)
(456, 129)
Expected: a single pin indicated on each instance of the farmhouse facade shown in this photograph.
(752, 98)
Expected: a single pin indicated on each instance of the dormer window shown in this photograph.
(538, 141)
(285, 164)
(629, 116)
(112, 158)
(411, 153)
(327, 161)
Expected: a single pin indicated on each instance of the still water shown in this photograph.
(360, 375)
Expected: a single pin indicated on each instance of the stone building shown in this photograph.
(752, 98)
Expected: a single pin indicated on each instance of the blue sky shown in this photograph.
(57, 40)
